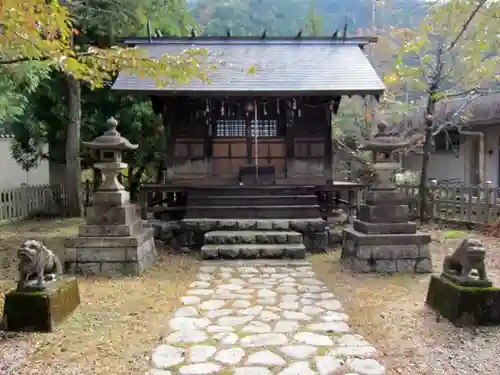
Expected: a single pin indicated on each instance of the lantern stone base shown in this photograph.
(386, 252)
(128, 255)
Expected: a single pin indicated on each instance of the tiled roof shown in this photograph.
(321, 66)
(483, 111)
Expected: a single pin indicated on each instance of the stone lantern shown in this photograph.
(114, 238)
(382, 239)
(383, 147)
(110, 146)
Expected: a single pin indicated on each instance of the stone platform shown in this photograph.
(262, 318)
(386, 253)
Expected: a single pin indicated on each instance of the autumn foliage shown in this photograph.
(41, 30)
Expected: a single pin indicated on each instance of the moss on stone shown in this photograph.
(322, 351)
(41, 310)
(462, 304)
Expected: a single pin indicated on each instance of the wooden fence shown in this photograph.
(458, 203)
(23, 202)
(454, 203)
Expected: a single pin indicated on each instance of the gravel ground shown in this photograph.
(390, 312)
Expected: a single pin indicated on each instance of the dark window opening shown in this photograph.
(447, 142)
(237, 128)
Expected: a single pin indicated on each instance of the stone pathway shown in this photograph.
(261, 318)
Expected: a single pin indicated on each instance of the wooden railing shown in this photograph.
(455, 203)
(458, 203)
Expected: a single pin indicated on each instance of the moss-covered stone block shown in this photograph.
(464, 305)
(41, 310)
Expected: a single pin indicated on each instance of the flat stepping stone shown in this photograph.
(299, 351)
(265, 358)
(186, 337)
(310, 338)
(200, 369)
(327, 365)
(186, 311)
(261, 317)
(231, 356)
(366, 366)
(331, 327)
(212, 304)
(188, 324)
(166, 356)
(264, 339)
(298, 368)
(251, 370)
(158, 372)
(201, 353)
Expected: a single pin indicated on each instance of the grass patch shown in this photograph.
(454, 234)
(119, 321)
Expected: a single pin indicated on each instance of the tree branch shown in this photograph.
(18, 60)
(467, 23)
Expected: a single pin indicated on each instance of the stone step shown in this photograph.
(250, 200)
(237, 190)
(227, 237)
(304, 225)
(238, 251)
(253, 212)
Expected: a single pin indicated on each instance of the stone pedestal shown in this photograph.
(382, 240)
(464, 305)
(35, 310)
(114, 240)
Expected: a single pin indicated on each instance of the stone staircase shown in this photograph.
(253, 244)
(252, 202)
(257, 213)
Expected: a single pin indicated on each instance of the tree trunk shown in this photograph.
(427, 149)
(73, 167)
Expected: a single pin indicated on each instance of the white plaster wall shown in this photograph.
(11, 173)
(447, 165)
(491, 147)
(442, 166)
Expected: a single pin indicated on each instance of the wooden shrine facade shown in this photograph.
(270, 127)
(232, 140)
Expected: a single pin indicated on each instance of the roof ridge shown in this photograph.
(359, 40)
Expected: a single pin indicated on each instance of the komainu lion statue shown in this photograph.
(467, 257)
(36, 262)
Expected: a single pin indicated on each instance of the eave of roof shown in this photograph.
(359, 40)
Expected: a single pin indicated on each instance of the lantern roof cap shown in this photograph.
(111, 139)
(384, 141)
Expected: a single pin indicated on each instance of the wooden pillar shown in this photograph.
(169, 140)
(328, 153)
(248, 132)
(209, 131)
(289, 120)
